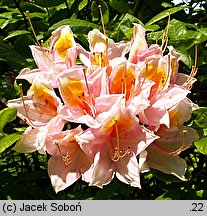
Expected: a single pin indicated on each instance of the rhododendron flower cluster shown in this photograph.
(119, 112)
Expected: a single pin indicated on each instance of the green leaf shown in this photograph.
(7, 115)
(201, 117)
(185, 57)
(58, 16)
(173, 194)
(16, 33)
(26, 6)
(127, 31)
(176, 29)
(126, 25)
(77, 25)
(167, 5)
(164, 14)
(120, 6)
(8, 54)
(152, 27)
(8, 140)
(201, 145)
(203, 31)
(129, 19)
(154, 36)
(82, 4)
(49, 3)
(94, 11)
(22, 46)
(105, 10)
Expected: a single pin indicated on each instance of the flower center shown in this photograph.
(99, 59)
(118, 153)
(65, 157)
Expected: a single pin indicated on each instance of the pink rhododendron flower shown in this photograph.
(34, 139)
(163, 153)
(157, 113)
(133, 109)
(69, 162)
(138, 43)
(124, 79)
(102, 49)
(50, 62)
(39, 106)
(114, 147)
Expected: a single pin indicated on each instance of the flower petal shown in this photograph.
(138, 43)
(127, 171)
(165, 163)
(31, 140)
(60, 174)
(103, 171)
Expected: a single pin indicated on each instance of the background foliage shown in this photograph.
(24, 176)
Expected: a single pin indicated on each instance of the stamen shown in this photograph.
(131, 93)
(40, 44)
(33, 31)
(188, 83)
(183, 147)
(85, 78)
(118, 154)
(92, 108)
(165, 35)
(164, 79)
(102, 20)
(25, 108)
(163, 38)
(92, 100)
(48, 61)
(124, 84)
(106, 54)
(145, 74)
(66, 159)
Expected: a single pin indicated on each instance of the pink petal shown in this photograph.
(162, 153)
(165, 163)
(154, 49)
(103, 171)
(180, 113)
(170, 97)
(154, 116)
(31, 140)
(42, 57)
(62, 41)
(138, 43)
(60, 174)
(127, 171)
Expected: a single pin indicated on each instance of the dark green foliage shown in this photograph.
(24, 176)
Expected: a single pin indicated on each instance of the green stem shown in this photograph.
(26, 162)
(36, 161)
(22, 13)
